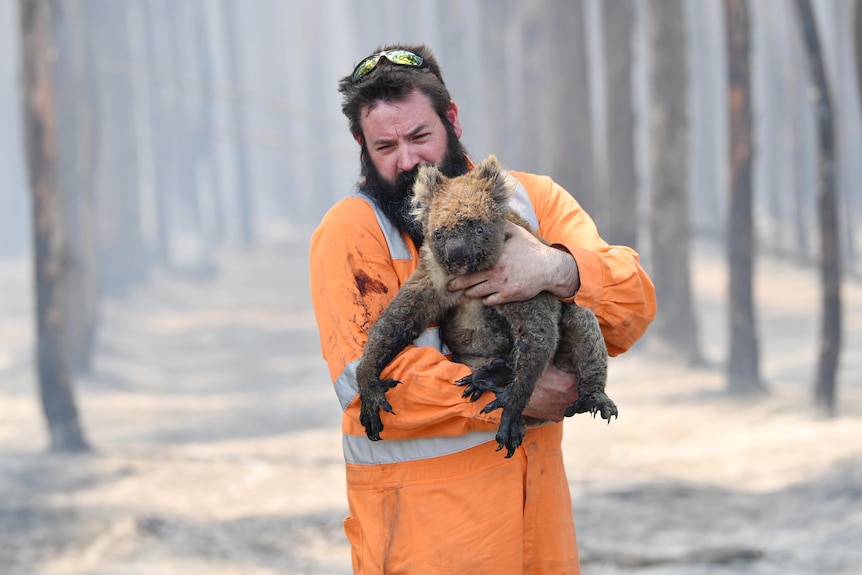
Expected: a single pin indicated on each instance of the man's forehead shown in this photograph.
(393, 118)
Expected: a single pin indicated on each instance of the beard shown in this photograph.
(395, 198)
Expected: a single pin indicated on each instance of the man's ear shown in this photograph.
(359, 139)
(452, 116)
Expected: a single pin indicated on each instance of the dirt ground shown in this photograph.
(217, 445)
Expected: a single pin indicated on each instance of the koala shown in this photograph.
(507, 346)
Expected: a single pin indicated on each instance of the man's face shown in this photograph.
(429, 141)
(402, 135)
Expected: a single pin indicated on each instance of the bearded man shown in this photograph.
(435, 496)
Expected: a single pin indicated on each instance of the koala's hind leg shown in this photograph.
(582, 351)
(534, 337)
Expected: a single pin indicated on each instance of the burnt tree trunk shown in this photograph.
(830, 259)
(238, 127)
(619, 119)
(51, 248)
(571, 149)
(743, 375)
(857, 33)
(675, 327)
(75, 150)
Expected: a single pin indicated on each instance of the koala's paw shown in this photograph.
(492, 377)
(597, 402)
(511, 431)
(373, 400)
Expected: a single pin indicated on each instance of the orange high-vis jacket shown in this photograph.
(358, 262)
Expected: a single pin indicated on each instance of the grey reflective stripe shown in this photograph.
(346, 387)
(522, 205)
(397, 246)
(363, 451)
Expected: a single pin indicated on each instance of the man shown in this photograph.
(435, 496)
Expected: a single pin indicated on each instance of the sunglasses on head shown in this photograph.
(399, 57)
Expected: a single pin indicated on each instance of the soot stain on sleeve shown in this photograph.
(366, 284)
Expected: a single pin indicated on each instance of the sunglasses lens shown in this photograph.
(365, 67)
(404, 58)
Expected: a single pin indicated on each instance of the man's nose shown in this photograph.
(407, 159)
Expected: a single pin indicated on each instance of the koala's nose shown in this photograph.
(458, 258)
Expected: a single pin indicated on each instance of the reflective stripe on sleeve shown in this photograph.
(363, 451)
(346, 387)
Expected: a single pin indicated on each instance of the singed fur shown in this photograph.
(508, 346)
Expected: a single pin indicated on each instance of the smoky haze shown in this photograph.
(199, 142)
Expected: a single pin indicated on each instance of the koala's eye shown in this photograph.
(438, 234)
(480, 230)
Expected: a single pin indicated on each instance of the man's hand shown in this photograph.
(525, 268)
(555, 391)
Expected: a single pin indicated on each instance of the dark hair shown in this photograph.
(390, 82)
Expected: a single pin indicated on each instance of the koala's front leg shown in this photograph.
(406, 316)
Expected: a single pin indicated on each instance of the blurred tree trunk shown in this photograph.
(857, 33)
(75, 164)
(830, 270)
(531, 132)
(152, 35)
(213, 214)
(50, 240)
(742, 367)
(238, 127)
(571, 148)
(122, 248)
(619, 118)
(675, 325)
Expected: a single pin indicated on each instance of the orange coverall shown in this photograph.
(435, 496)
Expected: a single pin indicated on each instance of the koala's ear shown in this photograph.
(502, 185)
(427, 180)
(488, 169)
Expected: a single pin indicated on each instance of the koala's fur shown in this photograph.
(508, 346)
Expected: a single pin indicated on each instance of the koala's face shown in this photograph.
(464, 218)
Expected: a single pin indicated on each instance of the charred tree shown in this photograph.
(571, 149)
(743, 374)
(75, 171)
(51, 245)
(675, 327)
(619, 119)
(238, 127)
(122, 251)
(857, 34)
(827, 206)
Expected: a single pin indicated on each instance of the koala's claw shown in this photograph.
(492, 377)
(596, 403)
(511, 432)
(372, 401)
